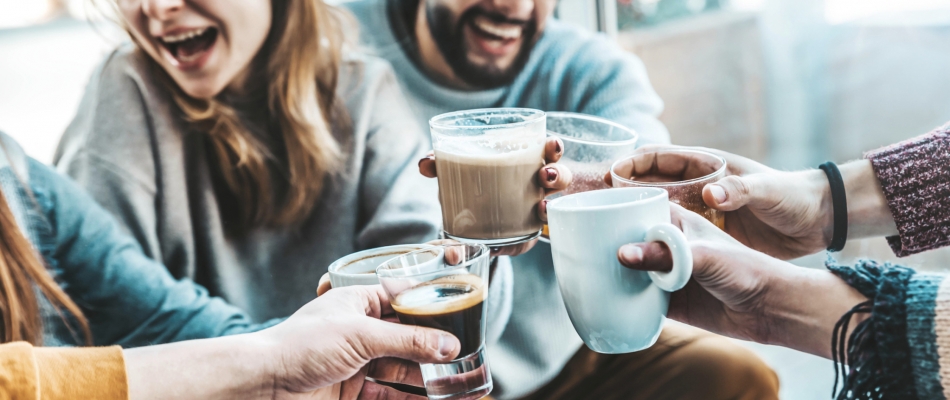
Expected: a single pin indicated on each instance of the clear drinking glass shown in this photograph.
(591, 145)
(488, 161)
(445, 287)
(683, 173)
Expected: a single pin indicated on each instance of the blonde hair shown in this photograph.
(300, 61)
(21, 274)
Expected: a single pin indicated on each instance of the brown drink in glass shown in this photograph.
(682, 173)
(487, 161)
(591, 145)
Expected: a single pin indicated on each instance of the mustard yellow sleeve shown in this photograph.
(18, 374)
(62, 373)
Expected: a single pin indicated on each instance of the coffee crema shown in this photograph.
(452, 303)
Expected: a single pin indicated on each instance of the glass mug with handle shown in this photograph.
(683, 173)
(591, 145)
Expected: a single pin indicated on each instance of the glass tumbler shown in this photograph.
(591, 145)
(682, 172)
(445, 287)
(488, 161)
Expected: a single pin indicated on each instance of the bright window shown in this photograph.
(895, 11)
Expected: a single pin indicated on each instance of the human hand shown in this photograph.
(553, 177)
(783, 214)
(741, 293)
(327, 348)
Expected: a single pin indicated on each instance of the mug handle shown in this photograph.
(682, 257)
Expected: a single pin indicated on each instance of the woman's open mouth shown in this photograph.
(189, 50)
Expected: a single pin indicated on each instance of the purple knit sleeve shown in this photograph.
(915, 177)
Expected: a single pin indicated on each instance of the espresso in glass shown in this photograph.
(445, 287)
(487, 162)
(453, 303)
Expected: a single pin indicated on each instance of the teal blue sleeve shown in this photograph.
(128, 298)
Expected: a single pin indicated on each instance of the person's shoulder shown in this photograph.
(579, 50)
(587, 59)
(11, 154)
(124, 67)
(117, 117)
(360, 71)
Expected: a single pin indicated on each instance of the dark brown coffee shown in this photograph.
(453, 303)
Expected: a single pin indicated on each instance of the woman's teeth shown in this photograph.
(503, 31)
(183, 36)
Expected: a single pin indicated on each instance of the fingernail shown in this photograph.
(544, 206)
(631, 254)
(445, 346)
(557, 146)
(718, 193)
(552, 174)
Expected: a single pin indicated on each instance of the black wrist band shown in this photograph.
(839, 206)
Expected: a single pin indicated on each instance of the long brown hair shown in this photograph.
(21, 273)
(300, 61)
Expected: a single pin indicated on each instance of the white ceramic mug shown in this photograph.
(615, 309)
(360, 268)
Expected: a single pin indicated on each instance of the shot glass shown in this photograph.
(488, 161)
(445, 287)
(591, 145)
(683, 173)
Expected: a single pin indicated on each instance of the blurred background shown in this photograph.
(788, 82)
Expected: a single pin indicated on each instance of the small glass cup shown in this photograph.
(487, 161)
(591, 144)
(445, 287)
(683, 173)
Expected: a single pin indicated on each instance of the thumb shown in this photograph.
(734, 192)
(413, 343)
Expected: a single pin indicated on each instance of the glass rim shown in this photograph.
(564, 114)
(720, 171)
(532, 116)
(483, 252)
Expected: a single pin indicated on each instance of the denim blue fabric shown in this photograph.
(129, 299)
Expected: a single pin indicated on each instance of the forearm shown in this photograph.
(220, 368)
(803, 307)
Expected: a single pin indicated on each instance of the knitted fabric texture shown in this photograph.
(922, 331)
(878, 352)
(915, 178)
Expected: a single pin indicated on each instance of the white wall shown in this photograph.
(43, 72)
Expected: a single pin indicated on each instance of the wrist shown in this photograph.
(806, 306)
(868, 211)
(262, 350)
(821, 190)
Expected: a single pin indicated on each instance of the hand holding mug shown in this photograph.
(741, 293)
(783, 214)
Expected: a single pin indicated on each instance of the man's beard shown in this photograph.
(451, 43)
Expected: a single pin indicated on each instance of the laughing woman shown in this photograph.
(241, 147)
